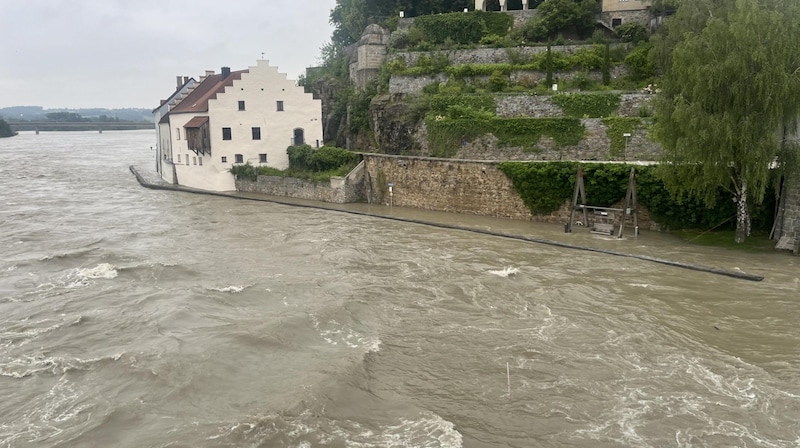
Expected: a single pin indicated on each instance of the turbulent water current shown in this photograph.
(139, 318)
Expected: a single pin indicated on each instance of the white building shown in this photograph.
(160, 115)
(248, 116)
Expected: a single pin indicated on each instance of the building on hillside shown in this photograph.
(480, 5)
(234, 118)
(616, 12)
(164, 144)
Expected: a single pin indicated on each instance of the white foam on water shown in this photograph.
(428, 430)
(101, 271)
(233, 289)
(335, 333)
(506, 272)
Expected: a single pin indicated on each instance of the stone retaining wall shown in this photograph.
(413, 85)
(789, 228)
(339, 190)
(488, 55)
(457, 186)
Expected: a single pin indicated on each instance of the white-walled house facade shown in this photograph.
(232, 118)
(160, 116)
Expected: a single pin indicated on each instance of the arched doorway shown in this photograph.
(299, 137)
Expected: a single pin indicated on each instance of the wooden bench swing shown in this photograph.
(605, 218)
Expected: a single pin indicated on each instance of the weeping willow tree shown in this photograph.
(730, 86)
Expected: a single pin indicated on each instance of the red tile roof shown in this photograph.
(197, 101)
(196, 122)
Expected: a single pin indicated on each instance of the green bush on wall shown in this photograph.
(591, 105)
(545, 186)
(463, 28)
(446, 135)
(616, 128)
(440, 104)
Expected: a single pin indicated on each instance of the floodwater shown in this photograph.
(139, 318)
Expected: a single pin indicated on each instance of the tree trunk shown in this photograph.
(742, 216)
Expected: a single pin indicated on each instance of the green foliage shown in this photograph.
(616, 128)
(441, 104)
(246, 171)
(461, 28)
(359, 109)
(546, 186)
(497, 81)
(730, 82)
(543, 187)
(330, 158)
(5, 129)
(497, 24)
(632, 32)
(590, 105)
(446, 135)
(641, 61)
(560, 16)
(299, 157)
(327, 158)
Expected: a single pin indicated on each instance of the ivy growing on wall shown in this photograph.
(616, 128)
(446, 135)
(463, 28)
(440, 104)
(545, 186)
(589, 105)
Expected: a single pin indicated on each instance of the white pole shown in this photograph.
(508, 376)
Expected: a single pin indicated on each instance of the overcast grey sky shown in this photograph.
(127, 53)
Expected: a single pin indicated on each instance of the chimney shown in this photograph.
(225, 72)
(209, 73)
(179, 78)
(185, 79)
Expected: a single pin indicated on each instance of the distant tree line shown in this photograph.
(5, 129)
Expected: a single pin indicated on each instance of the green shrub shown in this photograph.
(299, 157)
(545, 186)
(330, 158)
(246, 171)
(631, 32)
(498, 81)
(446, 135)
(641, 61)
(591, 105)
(441, 104)
(616, 128)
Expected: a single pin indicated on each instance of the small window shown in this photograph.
(200, 161)
(280, 106)
(179, 159)
(177, 133)
(187, 159)
(616, 22)
(194, 160)
(239, 158)
(226, 133)
(262, 158)
(241, 105)
(256, 133)
(224, 159)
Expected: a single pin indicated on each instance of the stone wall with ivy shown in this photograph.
(456, 186)
(489, 55)
(339, 190)
(463, 186)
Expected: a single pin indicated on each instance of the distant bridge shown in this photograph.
(99, 126)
